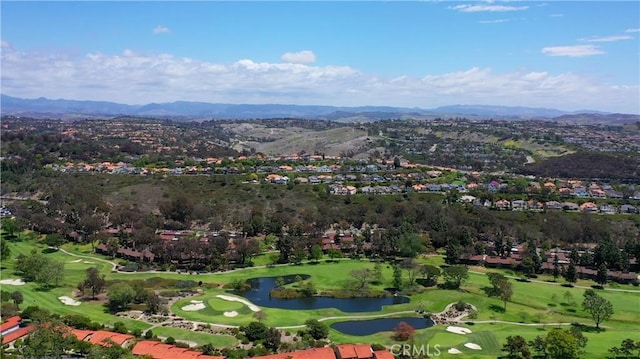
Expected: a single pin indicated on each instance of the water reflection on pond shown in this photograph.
(369, 327)
(260, 288)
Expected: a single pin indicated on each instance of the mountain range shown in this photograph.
(62, 108)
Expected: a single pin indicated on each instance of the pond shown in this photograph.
(373, 326)
(260, 288)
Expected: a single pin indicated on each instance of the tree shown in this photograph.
(260, 316)
(556, 267)
(599, 308)
(247, 248)
(273, 339)
(94, 281)
(430, 274)
(403, 332)
(255, 331)
(453, 253)
(120, 295)
(54, 240)
(502, 288)
(334, 253)
(517, 348)
(397, 277)
(153, 303)
(308, 288)
(411, 244)
(5, 251)
(571, 275)
(601, 275)
(17, 298)
(316, 253)
(50, 272)
(378, 277)
(109, 351)
(528, 266)
(561, 344)
(47, 341)
(456, 275)
(628, 346)
(9, 226)
(316, 329)
(412, 268)
(120, 327)
(539, 345)
(208, 349)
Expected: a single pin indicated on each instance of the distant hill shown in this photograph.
(591, 165)
(42, 107)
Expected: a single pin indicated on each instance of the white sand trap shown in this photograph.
(251, 306)
(196, 301)
(69, 301)
(87, 262)
(12, 282)
(76, 261)
(458, 330)
(473, 346)
(231, 314)
(454, 351)
(193, 307)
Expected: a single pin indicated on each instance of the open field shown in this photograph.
(530, 311)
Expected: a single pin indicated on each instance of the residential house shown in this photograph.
(589, 207)
(553, 205)
(518, 205)
(502, 204)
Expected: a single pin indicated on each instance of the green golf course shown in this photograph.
(534, 309)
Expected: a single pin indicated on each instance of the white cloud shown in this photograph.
(556, 15)
(484, 7)
(136, 78)
(161, 30)
(302, 57)
(608, 38)
(498, 21)
(572, 51)
(5, 44)
(632, 30)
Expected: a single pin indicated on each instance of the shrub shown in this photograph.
(170, 340)
(460, 306)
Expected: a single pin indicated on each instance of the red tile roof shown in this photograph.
(350, 351)
(316, 353)
(17, 334)
(383, 354)
(165, 351)
(10, 323)
(81, 334)
(100, 337)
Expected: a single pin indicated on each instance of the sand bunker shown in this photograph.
(473, 346)
(87, 262)
(251, 306)
(69, 301)
(76, 261)
(12, 281)
(454, 351)
(194, 306)
(458, 330)
(231, 314)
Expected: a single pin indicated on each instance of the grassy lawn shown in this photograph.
(218, 340)
(531, 303)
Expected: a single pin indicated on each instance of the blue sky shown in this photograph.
(568, 55)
